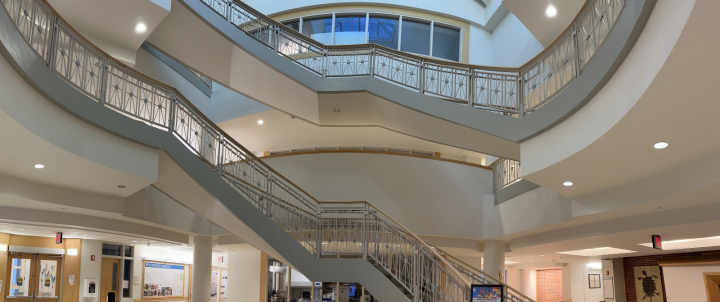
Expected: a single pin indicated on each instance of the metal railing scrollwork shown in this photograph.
(325, 229)
(513, 92)
(505, 173)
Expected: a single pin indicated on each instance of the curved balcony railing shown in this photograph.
(505, 173)
(510, 91)
(326, 229)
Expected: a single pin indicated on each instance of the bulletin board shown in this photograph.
(163, 279)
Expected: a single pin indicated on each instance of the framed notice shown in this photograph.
(594, 280)
(487, 293)
(608, 288)
(162, 279)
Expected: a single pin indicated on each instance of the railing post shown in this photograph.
(228, 11)
(416, 272)
(471, 87)
(276, 37)
(325, 63)
(364, 231)
(53, 43)
(220, 155)
(268, 202)
(318, 238)
(173, 112)
(576, 38)
(521, 93)
(372, 61)
(421, 77)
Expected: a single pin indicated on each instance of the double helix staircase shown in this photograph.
(325, 229)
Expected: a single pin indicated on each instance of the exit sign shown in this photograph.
(58, 238)
(657, 242)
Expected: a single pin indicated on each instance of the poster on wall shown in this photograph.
(648, 285)
(223, 284)
(163, 279)
(47, 278)
(487, 293)
(608, 288)
(214, 278)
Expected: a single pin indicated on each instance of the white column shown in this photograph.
(493, 258)
(202, 267)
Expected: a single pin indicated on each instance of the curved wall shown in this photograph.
(429, 197)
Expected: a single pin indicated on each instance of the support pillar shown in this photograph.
(493, 258)
(202, 268)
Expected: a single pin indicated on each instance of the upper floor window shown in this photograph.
(413, 35)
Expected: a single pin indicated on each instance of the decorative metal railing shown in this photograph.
(476, 276)
(505, 173)
(513, 92)
(326, 229)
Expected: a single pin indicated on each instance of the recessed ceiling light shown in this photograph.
(568, 184)
(121, 186)
(84, 235)
(260, 122)
(140, 28)
(21, 229)
(542, 255)
(661, 145)
(39, 166)
(84, 7)
(134, 241)
(336, 110)
(551, 11)
(659, 208)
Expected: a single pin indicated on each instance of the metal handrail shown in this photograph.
(505, 173)
(512, 92)
(423, 273)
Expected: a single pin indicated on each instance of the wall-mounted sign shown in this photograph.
(318, 284)
(657, 242)
(161, 279)
(220, 259)
(58, 238)
(92, 257)
(71, 280)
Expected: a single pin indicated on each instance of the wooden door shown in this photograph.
(110, 280)
(48, 281)
(20, 275)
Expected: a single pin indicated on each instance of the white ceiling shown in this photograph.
(22, 149)
(47, 230)
(532, 15)
(110, 25)
(280, 131)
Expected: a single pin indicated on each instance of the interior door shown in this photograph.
(110, 279)
(20, 275)
(48, 282)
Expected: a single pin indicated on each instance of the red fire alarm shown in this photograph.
(92, 257)
(657, 242)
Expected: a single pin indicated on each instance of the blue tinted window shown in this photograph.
(416, 37)
(383, 31)
(446, 42)
(349, 30)
(319, 29)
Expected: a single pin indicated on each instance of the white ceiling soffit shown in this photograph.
(544, 28)
(663, 91)
(279, 131)
(110, 25)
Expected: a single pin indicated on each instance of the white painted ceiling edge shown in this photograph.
(617, 97)
(65, 145)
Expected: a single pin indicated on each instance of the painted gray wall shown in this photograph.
(428, 196)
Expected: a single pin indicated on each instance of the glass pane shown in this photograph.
(383, 31)
(128, 251)
(349, 30)
(293, 24)
(114, 276)
(47, 278)
(111, 249)
(319, 29)
(446, 42)
(127, 272)
(19, 277)
(416, 37)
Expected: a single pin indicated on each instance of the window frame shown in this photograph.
(400, 27)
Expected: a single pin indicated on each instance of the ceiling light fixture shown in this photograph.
(21, 229)
(597, 252)
(39, 166)
(134, 241)
(568, 184)
(551, 11)
(140, 28)
(336, 110)
(661, 145)
(72, 252)
(121, 186)
(260, 122)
